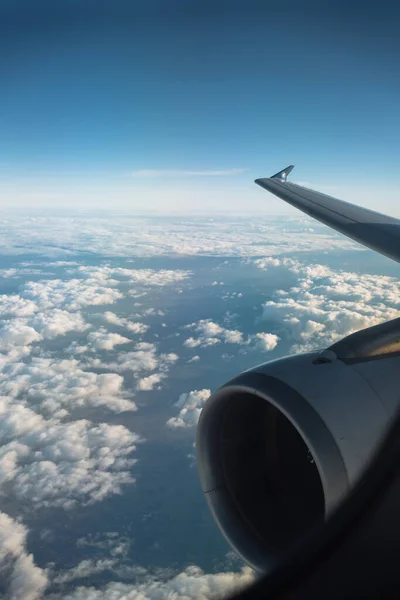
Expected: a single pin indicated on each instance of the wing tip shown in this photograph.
(282, 175)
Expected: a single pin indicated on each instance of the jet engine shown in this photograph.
(279, 446)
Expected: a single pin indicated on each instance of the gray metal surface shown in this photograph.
(379, 340)
(372, 229)
(348, 399)
(341, 410)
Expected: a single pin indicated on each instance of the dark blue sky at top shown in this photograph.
(93, 89)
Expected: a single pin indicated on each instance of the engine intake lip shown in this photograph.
(228, 462)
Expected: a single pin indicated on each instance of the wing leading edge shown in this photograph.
(372, 229)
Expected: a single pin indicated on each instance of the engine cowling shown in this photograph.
(279, 446)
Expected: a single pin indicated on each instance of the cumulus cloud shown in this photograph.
(145, 277)
(232, 336)
(76, 349)
(45, 459)
(23, 578)
(71, 294)
(22, 332)
(134, 327)
(16, 333)
(56, 387)
(104, 340)
(48, 463)
(190, 405)
(61, 263)
(15, 306)
(148, 383)
(266, 341)
(57, 322)
(142, 359)
(191, 583)
(61, 300)
(210, 333)
(192, 342)
(326, 305)
(268, 261)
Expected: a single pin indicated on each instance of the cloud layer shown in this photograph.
(192, 583)
(50, 457)
(210, 333)
(325, 304)
(69, 347)
(48, 463)
(26, 580)
(132, 236)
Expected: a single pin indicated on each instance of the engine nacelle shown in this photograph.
(280, 445)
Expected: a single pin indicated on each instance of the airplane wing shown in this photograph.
(372, 229)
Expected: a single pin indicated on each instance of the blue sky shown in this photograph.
(180, 105)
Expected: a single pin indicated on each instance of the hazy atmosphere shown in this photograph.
(141, 268)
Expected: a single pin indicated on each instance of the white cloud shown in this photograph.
(266, 341)
(16, 333)
(15, 273)
(203, 342)
(114, 319)
(269, 261)
(55, 322)
(134, 327)
(109, 541)
(208, 328)
(75, 349)
(47, 463)
(148, 383)
(15, 306)
(104, 340)
(22, 332)
(25, 581)
(190, 406)
(145, 277)
(233, 336)
(72, 294)
(142, 359)
(192, 583)
(150, 173)
(85, 569)
(211, 333)
(326, 305)
(56, 387)
(152, 311)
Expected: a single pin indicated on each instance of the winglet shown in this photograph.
(282, 175)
